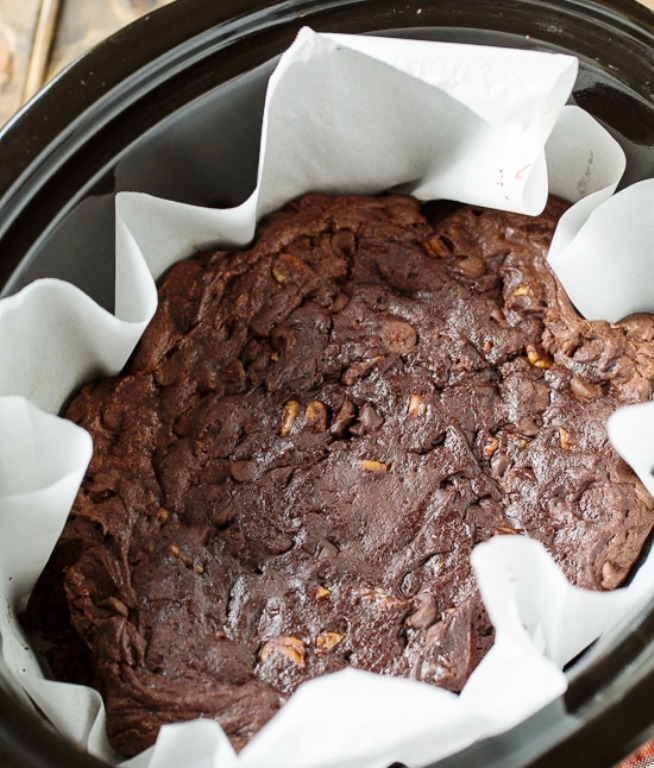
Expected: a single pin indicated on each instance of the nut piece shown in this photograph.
(519, 439)
(370, 465)
(521, 290)
(507, 530)
(327, 641)
(321, 592)
(538, 357)
(381, 597)
(436, 248)
(163, 515)
(288, 417)
(416, 407)
(282, 267)
(278, 275)
(564, 439)
(358, 370)
(198, 568)
(491, 446)
(290, 647)
(316, 415)
(175, 551)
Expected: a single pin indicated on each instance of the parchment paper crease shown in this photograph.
(346, 114)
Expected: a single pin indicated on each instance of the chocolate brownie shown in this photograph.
(313, 434)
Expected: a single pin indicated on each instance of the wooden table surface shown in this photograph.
(39, 37)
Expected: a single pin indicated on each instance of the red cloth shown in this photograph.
(642, 758)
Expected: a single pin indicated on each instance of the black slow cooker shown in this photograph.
(172, 106)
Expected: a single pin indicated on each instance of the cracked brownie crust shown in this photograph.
(313, 434)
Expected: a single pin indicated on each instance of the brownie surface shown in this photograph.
(311, 437)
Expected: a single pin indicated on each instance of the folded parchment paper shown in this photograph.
(345, 114)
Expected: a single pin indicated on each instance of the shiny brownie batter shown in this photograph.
(313, 434)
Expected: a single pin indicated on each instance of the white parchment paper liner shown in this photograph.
(482, 125)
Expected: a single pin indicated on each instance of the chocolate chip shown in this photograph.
(243, 471)
(369, 417)
(280, 544)
(281, 476)
(471, 267)
(344, 417)
(499, 464)
(340, 302)
(369, 420)
(425, 613)
(223, 516)
(326, 549)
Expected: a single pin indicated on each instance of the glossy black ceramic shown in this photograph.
(172, 106)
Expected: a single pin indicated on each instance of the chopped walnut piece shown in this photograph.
(381, 597)
(564, 439)
(288, 267)
(198, 568)
(278, 275)
(538, 357)
(175, 551)
(288, 417)
(416, 407)
(321, 592)
(519, 439)
(358, 370)
(316, 415)
(370, 465)
(327, 641)
(290, 647)
(491, 446)
(521, 290)
(163, 515)
(436, 248)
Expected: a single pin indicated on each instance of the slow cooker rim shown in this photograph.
(156, 36)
